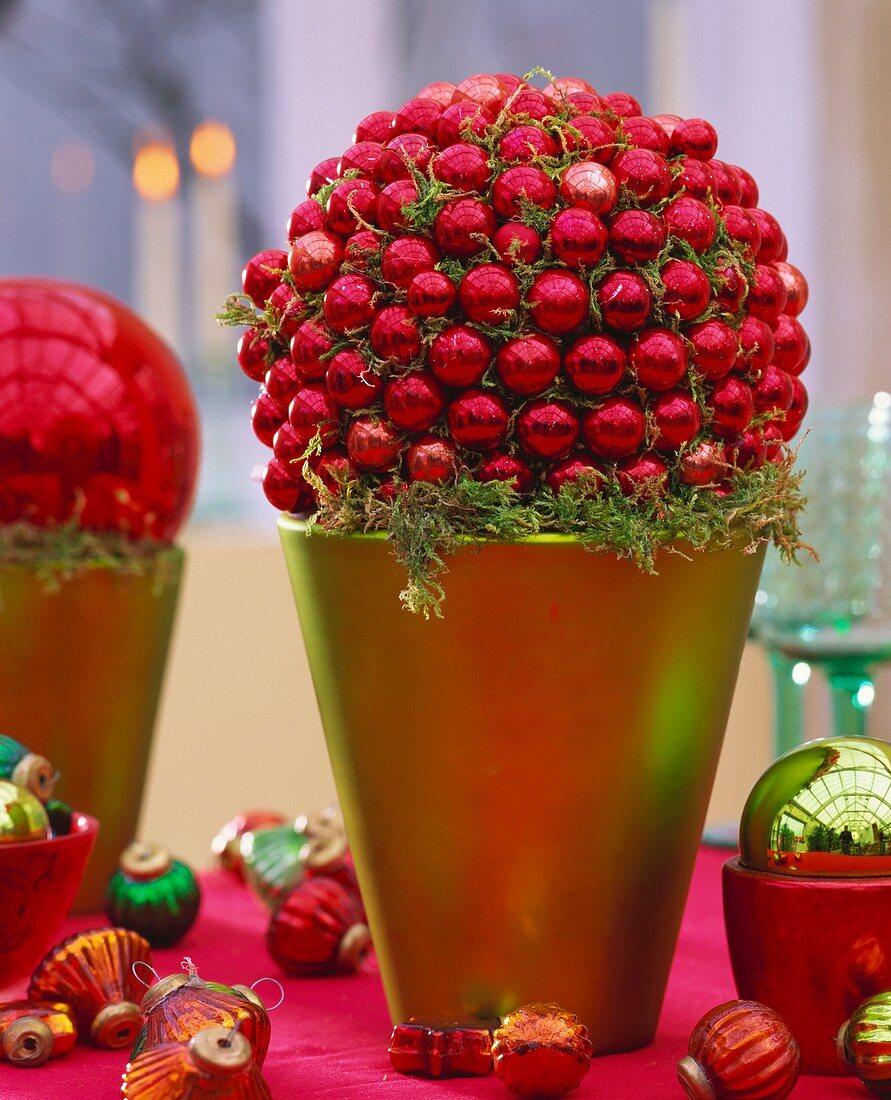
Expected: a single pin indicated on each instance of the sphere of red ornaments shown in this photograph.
(544, 287)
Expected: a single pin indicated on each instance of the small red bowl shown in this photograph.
(38, 881)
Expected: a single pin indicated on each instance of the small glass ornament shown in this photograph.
(22, 815)
(60, 815)
(442, 1048)
(215, 1063)
(181, 1005)
(273, 860)
(26, 769)
(32, 1033)
(152, 893)
(93, 973)
(741, 1050)
(226, 845)
(864, 1043)
(541, 1050)
(319, 929)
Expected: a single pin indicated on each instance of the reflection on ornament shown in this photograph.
(93, 973)
(26, 769)
(226, 845)
(541, 1050)
(152, 893)
(442, 1048)
(216, 1062)
(864, 1043)
(22, 815)
(32, 1033)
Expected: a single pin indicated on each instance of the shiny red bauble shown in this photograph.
(460, 120)
(315, 259)
(728, 187)
(373, 444)
(621, 104)
(459, 356)
(743, 228)
(704, 464)
(659, 358)
(287, 308)
(694, 178)
(731, 406)
(748, 451)
(483, 88)
(692, 221)
(748, 188)
(589, 184)
(414, 401)
(351, 381)
(418, 116)
(267, 416)
(95, 411)
(440, 91)
(644, 173)
(403, 154)
(463, 167)
(796, 287)
(767, 293)
(282, 380)
(528, 365)
(431, 458)
(644, 474)
(309, 347)
(393, 203)
(431, 294)
(406, 257)
(284, 490)
(287, 447)
(731, 288)
(558, 301)
(517, 243)
(334, 469)
(756, 343)
(324, 172)
(522, 184)
(262, 274)
(694, 137)
(791, 422)
(714, 348)
(394, 335)
(318, 929)
(531, 103)
(478, 420)
(360, 247)
(791, 345)
(253, 354)
(573, 469)
(489, 294)
(625, 301)
(614, 429)
(506, 467)
(351, 202)
(525, 143)
(594, 135)
(677, 419)
(365, 158)
(645, 133)
(312, 412)
(375, 127)
(461, 226)
(305, 217)
(349, 303)
(548, 429)
(636, 236)
(687, 289)
(595, 364)
(771, 236)
(578, 237)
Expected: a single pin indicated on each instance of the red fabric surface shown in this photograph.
(329, 1038)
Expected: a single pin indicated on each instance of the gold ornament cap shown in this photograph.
(28, 1041)
(220, 1050)
(116, 1025)
(144, 859)
(36, 774)
(822, 810)
(22, 815)
(161, 989)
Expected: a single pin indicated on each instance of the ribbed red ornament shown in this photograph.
(318, 929)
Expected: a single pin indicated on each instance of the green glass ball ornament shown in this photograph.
(822, 810)
(26, 769)
(864, 1043)
(153, 894)
(273, 861)
(59, 814)
(22, 816)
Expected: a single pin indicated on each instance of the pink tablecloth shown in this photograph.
(329, 1039)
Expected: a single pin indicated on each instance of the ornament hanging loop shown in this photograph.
(134, 969)
(281, 992)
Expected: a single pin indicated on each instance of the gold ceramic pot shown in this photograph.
(524, 782)
(81, 665)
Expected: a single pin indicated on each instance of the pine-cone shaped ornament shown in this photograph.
(32, 1033)
(226, 845)
(216, 1064)
(741, 1050)
(319, 929)
(93, 973)
(26, 769)
(152, 893)
(541, 1050)
(22, 814)
(864, 1043)
(180, 1005)
(273, 860)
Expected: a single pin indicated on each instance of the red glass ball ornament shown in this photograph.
(282, 380)
(524, 143)
(365, 158)
(460, 120)
(771, 236)
(315, 259)
(548, 429)
(625, 301)
(748, 451)
(462, 225)
(773, 441)
(645, 473)
(578, 237)
(645, 133)
(714, 349)
(796, 287)
(756, 342)
(459, 356)
(528, 364)
(288, 449)
(667, 122)
(440, 91)
(314, 411)
(253, 354)
(517, 243)
(692, 221)
(573, 469)
(306, 217)
(659, 358)
(562, 87)
(463, 167)
(262, 274)
(405, 257)
(285, 492)
(95, 408)
(687, 289)
(529, 102)
(351, 381)
(595, 364)
(375, 127)
(621, 104)
(267, 416)
(483, 88)
(694, 137)
(286, 310)
(581, 102)
(677, 418)
(431, 458)
(506, 467)
(694, 178)
(589, 184)
(418, 116)
(522, 183)
(318, 929)
(360, 247)
(324, 172)
(731, 405)
(489, 294)
(767, 294)
(593, 134)
(636, 236)
(414, 401)
(402, 153)
(615, 429)
(394, 335)
(349, 303)
(309, 344)
(431, 294)
(790, 424)
(740, 1050)
(791, 345)
(373, 444)
(392, 205)
(558, 301)
(727, 182)
(350, 201)
(732, 288)
(644, 173)
(742, 227)
(748, 187)
(704, 465)
(334, 469)
(478, 420)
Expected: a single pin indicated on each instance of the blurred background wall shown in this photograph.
(150, 146)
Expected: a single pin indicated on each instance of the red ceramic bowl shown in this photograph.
(38, 881)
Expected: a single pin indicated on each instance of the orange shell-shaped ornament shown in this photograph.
(93, 973)
(30, 1033)
(216, 1063)
(741, 1050)
(541, 1050)
(179, 1007)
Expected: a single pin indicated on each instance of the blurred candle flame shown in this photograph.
(156, 171)
(212, 149)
